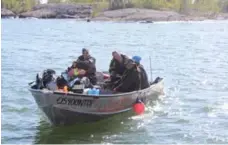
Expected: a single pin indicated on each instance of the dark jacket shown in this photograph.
(89, 66)
(130, 81)
(116, 68)
(90, 58)
(144, 78)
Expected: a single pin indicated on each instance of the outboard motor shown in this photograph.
(48, 76)
(46, 80)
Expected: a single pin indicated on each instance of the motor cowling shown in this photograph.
(46, 79)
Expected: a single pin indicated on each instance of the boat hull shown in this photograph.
(71, 108)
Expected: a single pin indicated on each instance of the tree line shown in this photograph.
(183, 6)
(18, 6)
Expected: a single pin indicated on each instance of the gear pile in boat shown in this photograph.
(125, 75)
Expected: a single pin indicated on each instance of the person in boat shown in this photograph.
(144, 78)
(86, 56)
(117, 67)
(78, 76)
(87, 63)
(82, 69)
(131, 78)
(73, 74)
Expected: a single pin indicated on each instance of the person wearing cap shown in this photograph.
(144, 78)
(117, 67)
(130, 80)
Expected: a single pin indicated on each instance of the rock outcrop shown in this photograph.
(134, 14)
(59, 11)
(5, 13)
(85, 11)
(149, 16)
(222, 16)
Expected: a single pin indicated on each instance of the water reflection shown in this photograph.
(89, 132)
(80, 133)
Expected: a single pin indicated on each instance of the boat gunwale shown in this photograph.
(94, 96)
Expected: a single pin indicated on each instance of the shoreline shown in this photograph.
(85, 13)
(119, 21)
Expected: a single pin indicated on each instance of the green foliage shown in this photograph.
(54, 1)
(206, 6)
(177, 5)
(80, 1)
(99, 5)
(18, 6)
(223, 4)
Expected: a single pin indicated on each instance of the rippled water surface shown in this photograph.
(192, 57)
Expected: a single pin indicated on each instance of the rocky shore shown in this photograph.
(133, 14)
(59, 11)
(5, 13)
(48, 11)
(82, 11)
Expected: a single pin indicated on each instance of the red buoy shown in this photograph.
(139, 108)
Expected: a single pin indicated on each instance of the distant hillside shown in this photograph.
(182, 6)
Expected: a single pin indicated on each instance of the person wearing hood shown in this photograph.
(144, 78)
(117, 67)
(130, 80)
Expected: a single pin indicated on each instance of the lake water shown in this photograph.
(192, 57)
